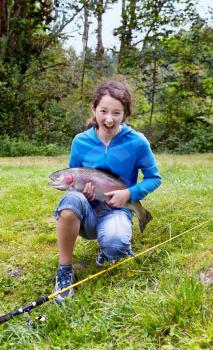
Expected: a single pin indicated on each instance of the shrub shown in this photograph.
(186, 139)
(11, 147)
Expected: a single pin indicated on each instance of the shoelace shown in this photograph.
(64, 278)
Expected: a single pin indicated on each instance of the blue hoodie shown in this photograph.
(127, 153)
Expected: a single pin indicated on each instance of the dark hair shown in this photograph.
(115, 89)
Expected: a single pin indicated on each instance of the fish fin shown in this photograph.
(143, 215)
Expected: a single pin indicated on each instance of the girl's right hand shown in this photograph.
(88, 191)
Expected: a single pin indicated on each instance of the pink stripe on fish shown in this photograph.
(68, 179)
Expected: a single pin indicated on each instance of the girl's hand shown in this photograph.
(118, 198)
(89, 191)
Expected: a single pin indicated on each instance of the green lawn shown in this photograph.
(153, 302)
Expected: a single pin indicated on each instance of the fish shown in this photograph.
(103, 182)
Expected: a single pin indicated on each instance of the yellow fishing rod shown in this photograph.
(42, 300)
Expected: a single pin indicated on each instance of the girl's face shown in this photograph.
(109, 115)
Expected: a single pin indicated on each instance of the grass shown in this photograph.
(153, 302)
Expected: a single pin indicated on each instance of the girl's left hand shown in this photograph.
(118, 198)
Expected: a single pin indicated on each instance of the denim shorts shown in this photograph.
(112, 227)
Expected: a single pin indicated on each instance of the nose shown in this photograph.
(109, 119)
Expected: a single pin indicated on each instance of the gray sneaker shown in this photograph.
(64, 278)
(101, 260)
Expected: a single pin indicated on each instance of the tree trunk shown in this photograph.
(17, 12)
(100, 48)
(3, 17)
(154, 76)
(84, 44)
(122, 35)
(132, 20)
(129, 23)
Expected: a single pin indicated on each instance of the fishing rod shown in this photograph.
(44, 299)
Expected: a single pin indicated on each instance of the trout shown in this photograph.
(76, 179)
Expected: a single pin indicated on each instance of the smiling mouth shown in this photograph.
(109, 127)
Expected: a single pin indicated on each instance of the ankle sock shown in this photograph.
(66, 267)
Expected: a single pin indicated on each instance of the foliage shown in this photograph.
(186, 139)
(186, 92)
(33, 104)
(151, 19)
(179, 116)
(28, 28)
(24, 147)
(35, 74)
(25, 31)
(45, 90)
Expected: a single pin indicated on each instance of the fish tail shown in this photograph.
(143, 215)
(143, 223)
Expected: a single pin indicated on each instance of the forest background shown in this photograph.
(164, 54)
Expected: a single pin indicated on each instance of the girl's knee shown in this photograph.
(73, 203)
(67, 214)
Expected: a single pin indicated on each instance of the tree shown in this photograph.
(28, 30)
(187, 57)
(99, 8)
(85, 37)
(125, 31)
(25, 22)
(3, 17)
(145, 23)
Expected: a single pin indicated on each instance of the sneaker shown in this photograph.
(101, 260)
(64, 278)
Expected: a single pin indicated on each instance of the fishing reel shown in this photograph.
(38, 320)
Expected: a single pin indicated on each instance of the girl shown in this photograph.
(110, 145)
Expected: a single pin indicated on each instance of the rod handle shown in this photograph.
(21, 310)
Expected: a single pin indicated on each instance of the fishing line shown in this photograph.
(42, 300)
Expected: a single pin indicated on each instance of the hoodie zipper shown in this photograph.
(106, 154)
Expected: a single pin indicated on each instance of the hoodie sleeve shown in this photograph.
(74, 161)
(151, 178)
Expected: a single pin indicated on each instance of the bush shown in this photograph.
(24, 147)
(186, 139)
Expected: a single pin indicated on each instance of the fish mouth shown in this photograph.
(60, 186)
(61, 181)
